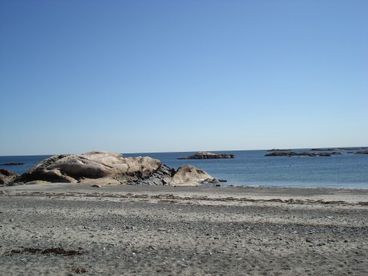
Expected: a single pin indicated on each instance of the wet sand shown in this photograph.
(62, 229)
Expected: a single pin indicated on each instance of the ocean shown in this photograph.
(253, 168)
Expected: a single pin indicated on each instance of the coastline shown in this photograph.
(204, 192)
(252, 168)
(73, 228)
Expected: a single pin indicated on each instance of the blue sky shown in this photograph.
(143, 76)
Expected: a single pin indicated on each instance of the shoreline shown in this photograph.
(205, 193)
(348, 173)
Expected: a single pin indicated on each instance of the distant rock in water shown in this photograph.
(352, 149)
(324, 149)
(109, 168)
(280, 153)
(209, 155)
(7, 176)
(362, 152)
(12, 164)
(290, 153)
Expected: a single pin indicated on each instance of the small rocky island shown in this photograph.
(12, 164)
(100, 168)
(208, 155)
(311, 153)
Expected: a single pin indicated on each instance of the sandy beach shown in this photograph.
(69, 229)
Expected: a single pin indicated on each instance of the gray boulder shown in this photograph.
(191, 176)
(7, 176)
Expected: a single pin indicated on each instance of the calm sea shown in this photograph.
(252, 168)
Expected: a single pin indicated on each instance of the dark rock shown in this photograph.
(362, 152)
(278, 150)
(353, 148)
(322, 149)
(12, 164)
(79, 270)
(281, 153)
(209, 155)
(327, 154)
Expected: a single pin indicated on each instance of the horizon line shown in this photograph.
(189, 151)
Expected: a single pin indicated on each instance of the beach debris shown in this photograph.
(96, 186)
(78, 270)
(46, 251)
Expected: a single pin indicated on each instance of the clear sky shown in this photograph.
(143, 76)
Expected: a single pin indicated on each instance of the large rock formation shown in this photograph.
(209, 155)
(6, 176)
(104, 168)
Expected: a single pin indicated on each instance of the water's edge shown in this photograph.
(254, 169)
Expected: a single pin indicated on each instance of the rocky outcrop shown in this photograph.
(362, 152)
(93, 165)
(289, 153)
(209, 155)
(107, 168)
(191, 176)
(7, 176)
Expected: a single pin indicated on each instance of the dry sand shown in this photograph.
(62, 229)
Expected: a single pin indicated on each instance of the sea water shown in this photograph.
(253, 168)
